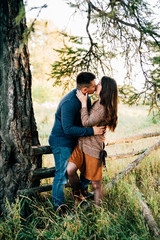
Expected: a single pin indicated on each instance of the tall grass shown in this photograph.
(120, 215)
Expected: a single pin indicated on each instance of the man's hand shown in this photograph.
(99, 130)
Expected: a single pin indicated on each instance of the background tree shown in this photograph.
(18, 130)
(129, 29)
(41, 42)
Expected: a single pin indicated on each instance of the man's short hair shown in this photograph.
(85, 78)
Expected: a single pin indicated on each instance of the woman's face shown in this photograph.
(98, 88)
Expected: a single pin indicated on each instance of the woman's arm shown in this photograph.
(82, 98)
(92, 119)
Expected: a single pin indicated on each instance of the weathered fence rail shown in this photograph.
(43, 173)
(39, 150)
(132, 165)
(133, 138)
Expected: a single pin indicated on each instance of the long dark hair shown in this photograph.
(109, 99)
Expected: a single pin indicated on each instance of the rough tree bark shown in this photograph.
(18, 130)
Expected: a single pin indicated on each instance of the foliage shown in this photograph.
(74, 57)
(42, 40)
(155, 75)
(125, 28)
(119, 216)
(20, 15)
(30, 28)
(150, 94)
(11, 226)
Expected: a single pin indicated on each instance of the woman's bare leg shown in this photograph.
(98, 192)
(73, 176)
(75, 183)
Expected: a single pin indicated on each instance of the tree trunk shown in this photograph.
(18, 130)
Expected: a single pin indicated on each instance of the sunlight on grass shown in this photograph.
(118, 218)
(120, 215)
(131, 121)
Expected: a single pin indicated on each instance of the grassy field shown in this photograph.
(120, 215)
(131, 121)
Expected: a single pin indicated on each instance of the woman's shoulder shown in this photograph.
(99, 109)
(97, 105)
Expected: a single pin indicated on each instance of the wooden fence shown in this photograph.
(44, 173)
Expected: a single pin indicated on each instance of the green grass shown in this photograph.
(120, 215)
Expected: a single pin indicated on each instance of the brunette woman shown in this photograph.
(86, 155)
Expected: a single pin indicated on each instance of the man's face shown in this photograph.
(92, 87)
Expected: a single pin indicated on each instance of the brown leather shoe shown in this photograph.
(78, 196)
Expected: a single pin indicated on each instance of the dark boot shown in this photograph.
(87, 194)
